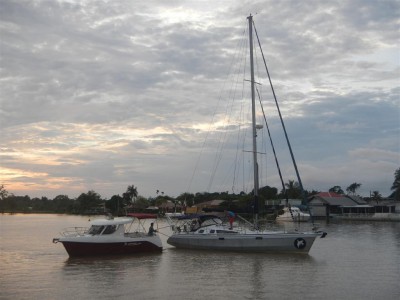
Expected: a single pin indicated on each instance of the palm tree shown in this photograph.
(130, 195)
(376, 196)
(293, 189)
(353, 187)
(396, 184)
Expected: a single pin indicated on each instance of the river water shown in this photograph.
(357, 260)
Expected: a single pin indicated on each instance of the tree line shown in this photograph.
(92, 203)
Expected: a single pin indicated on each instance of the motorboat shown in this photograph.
(111, 236)
(293, 214)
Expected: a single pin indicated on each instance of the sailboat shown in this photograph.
(208, 232)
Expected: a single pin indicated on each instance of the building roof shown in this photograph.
(328, 195)
(357, 199)
(332, 199)
(169, 204)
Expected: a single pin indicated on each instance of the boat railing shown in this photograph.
(291, 227)
(135, 234)
(74, 231)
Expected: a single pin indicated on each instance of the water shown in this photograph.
(359, 260)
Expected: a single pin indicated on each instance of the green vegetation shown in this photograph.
(352, 188)
(396, 185)
(92, 203)
(336, 189)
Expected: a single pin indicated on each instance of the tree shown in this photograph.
(268, 192)
(186, 199)
(62, 204)
(115, 204)
(336, 189)
(353, 187)
(3, 193)
(130, 195)
(396, 185)
(141, 203)
(293, 189)
(88, 202)
(376, 196)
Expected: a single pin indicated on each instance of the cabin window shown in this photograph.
(110, 229)
(201, 231)
(96, 229)
(225, 231)
(212, 231)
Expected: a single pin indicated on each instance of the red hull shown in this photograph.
(76, 249)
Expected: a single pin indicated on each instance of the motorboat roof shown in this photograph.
(115, 221)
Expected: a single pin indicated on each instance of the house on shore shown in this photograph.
(327, 204)
(169, 206)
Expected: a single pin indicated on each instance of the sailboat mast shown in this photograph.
(253, 106)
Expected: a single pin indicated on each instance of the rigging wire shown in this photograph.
(272, 146)
(275, 156)
(227, 117)
(284, 128)
(209, 131)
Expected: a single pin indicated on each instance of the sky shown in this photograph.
(99, 95)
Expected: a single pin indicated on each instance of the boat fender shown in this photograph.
(324, 234)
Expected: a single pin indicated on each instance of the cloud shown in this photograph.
(100, 95)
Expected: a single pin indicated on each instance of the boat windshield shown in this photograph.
(102, 229)
(96, 229)
(110, 229)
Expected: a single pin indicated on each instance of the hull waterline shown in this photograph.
(78, 249)
(288, 243)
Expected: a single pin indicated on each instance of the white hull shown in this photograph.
(294, 216)
(300, 218)
(261, 242)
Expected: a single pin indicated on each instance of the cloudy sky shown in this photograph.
(99, 95)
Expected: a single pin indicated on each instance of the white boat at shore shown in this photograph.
(293, 214)
(111, 236)
(174, 215)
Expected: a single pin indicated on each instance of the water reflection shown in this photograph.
(355, 254)
(249, 274)
(112, 274)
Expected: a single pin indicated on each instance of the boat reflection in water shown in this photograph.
(111, 236)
